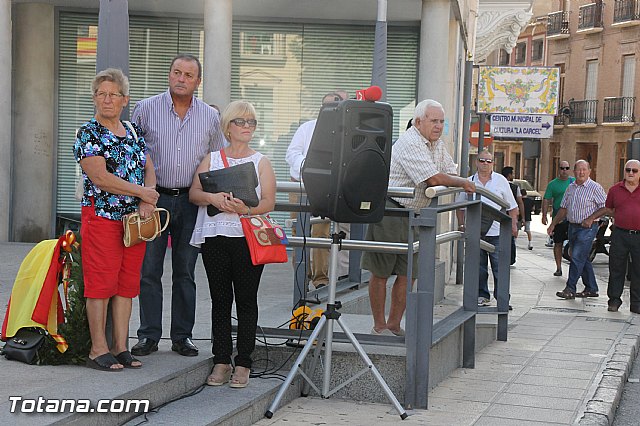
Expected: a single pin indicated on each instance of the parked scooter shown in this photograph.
(600, 242)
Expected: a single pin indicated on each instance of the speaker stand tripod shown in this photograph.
(330, 315)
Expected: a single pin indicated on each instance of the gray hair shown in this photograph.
(421, 109)
(114, 75)
(632, 161)
(575, 165)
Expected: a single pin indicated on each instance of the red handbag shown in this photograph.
(266, 239)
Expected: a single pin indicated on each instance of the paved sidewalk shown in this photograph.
(565, 362)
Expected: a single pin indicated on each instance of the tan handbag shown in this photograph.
(137, 230)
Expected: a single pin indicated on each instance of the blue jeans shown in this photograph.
(183, 263)
(580, 241)
(485, 257)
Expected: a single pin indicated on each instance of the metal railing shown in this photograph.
(590, 16)
(583, 112)
(421, 333)
(557, 23)
(559, 120)
(619, 110)
(626, 10)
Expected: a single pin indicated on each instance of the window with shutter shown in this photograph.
(283, 69)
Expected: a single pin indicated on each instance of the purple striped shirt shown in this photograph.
(581, 201)
(177, 146)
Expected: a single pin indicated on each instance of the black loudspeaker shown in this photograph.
(346, 170)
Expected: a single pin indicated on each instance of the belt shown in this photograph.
(172, 191)
(629, 231)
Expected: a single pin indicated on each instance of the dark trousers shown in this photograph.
(624, 245)
(183, 263)
(485, 258)
(231, 273)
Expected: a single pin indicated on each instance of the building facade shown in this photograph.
(530, 50)
(596, 45)
(282, 55)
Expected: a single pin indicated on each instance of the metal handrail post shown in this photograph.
(419, 319)
(464, 152)
(471, 280)
(504, 265)
(302, 257)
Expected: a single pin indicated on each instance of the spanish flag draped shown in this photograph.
(35, 300)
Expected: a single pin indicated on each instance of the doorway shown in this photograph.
(589, 152)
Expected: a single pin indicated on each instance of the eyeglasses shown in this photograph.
(104, 95)
(629, 170)
(240, 122)
(485, 160)
(564, 168)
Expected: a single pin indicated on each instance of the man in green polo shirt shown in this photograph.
(555, 192)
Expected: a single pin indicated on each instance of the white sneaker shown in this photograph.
(483, 301)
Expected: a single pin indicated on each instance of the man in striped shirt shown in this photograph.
(179, 130)
(581, 205)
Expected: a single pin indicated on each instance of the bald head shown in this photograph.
(582, 170)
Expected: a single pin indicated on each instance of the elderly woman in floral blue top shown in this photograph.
(118, 179)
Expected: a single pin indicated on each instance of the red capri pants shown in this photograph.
(109, 268)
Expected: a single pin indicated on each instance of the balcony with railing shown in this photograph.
(590, 18)
(558, 25)
(583, 113)
(618, 111)
(626, 13)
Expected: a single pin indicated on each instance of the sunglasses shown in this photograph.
(565, 168)
(240, 122)
(629, 170)
(485, 160)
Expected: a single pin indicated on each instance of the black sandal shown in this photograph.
(103, 362)
(566, 294)
(125, 358)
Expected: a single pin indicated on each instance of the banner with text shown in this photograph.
(519, 126)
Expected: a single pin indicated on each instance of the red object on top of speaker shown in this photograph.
(371, 94)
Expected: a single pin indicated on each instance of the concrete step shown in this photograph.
(221, 405)
(225, 406)
(446, 355)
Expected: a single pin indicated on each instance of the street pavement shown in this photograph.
(565, 361)
(628, 413)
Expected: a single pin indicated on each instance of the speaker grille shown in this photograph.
(381, 141)
(357, 140)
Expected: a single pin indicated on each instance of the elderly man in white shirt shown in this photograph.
(486, 178)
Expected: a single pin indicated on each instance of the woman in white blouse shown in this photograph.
(225, 253)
